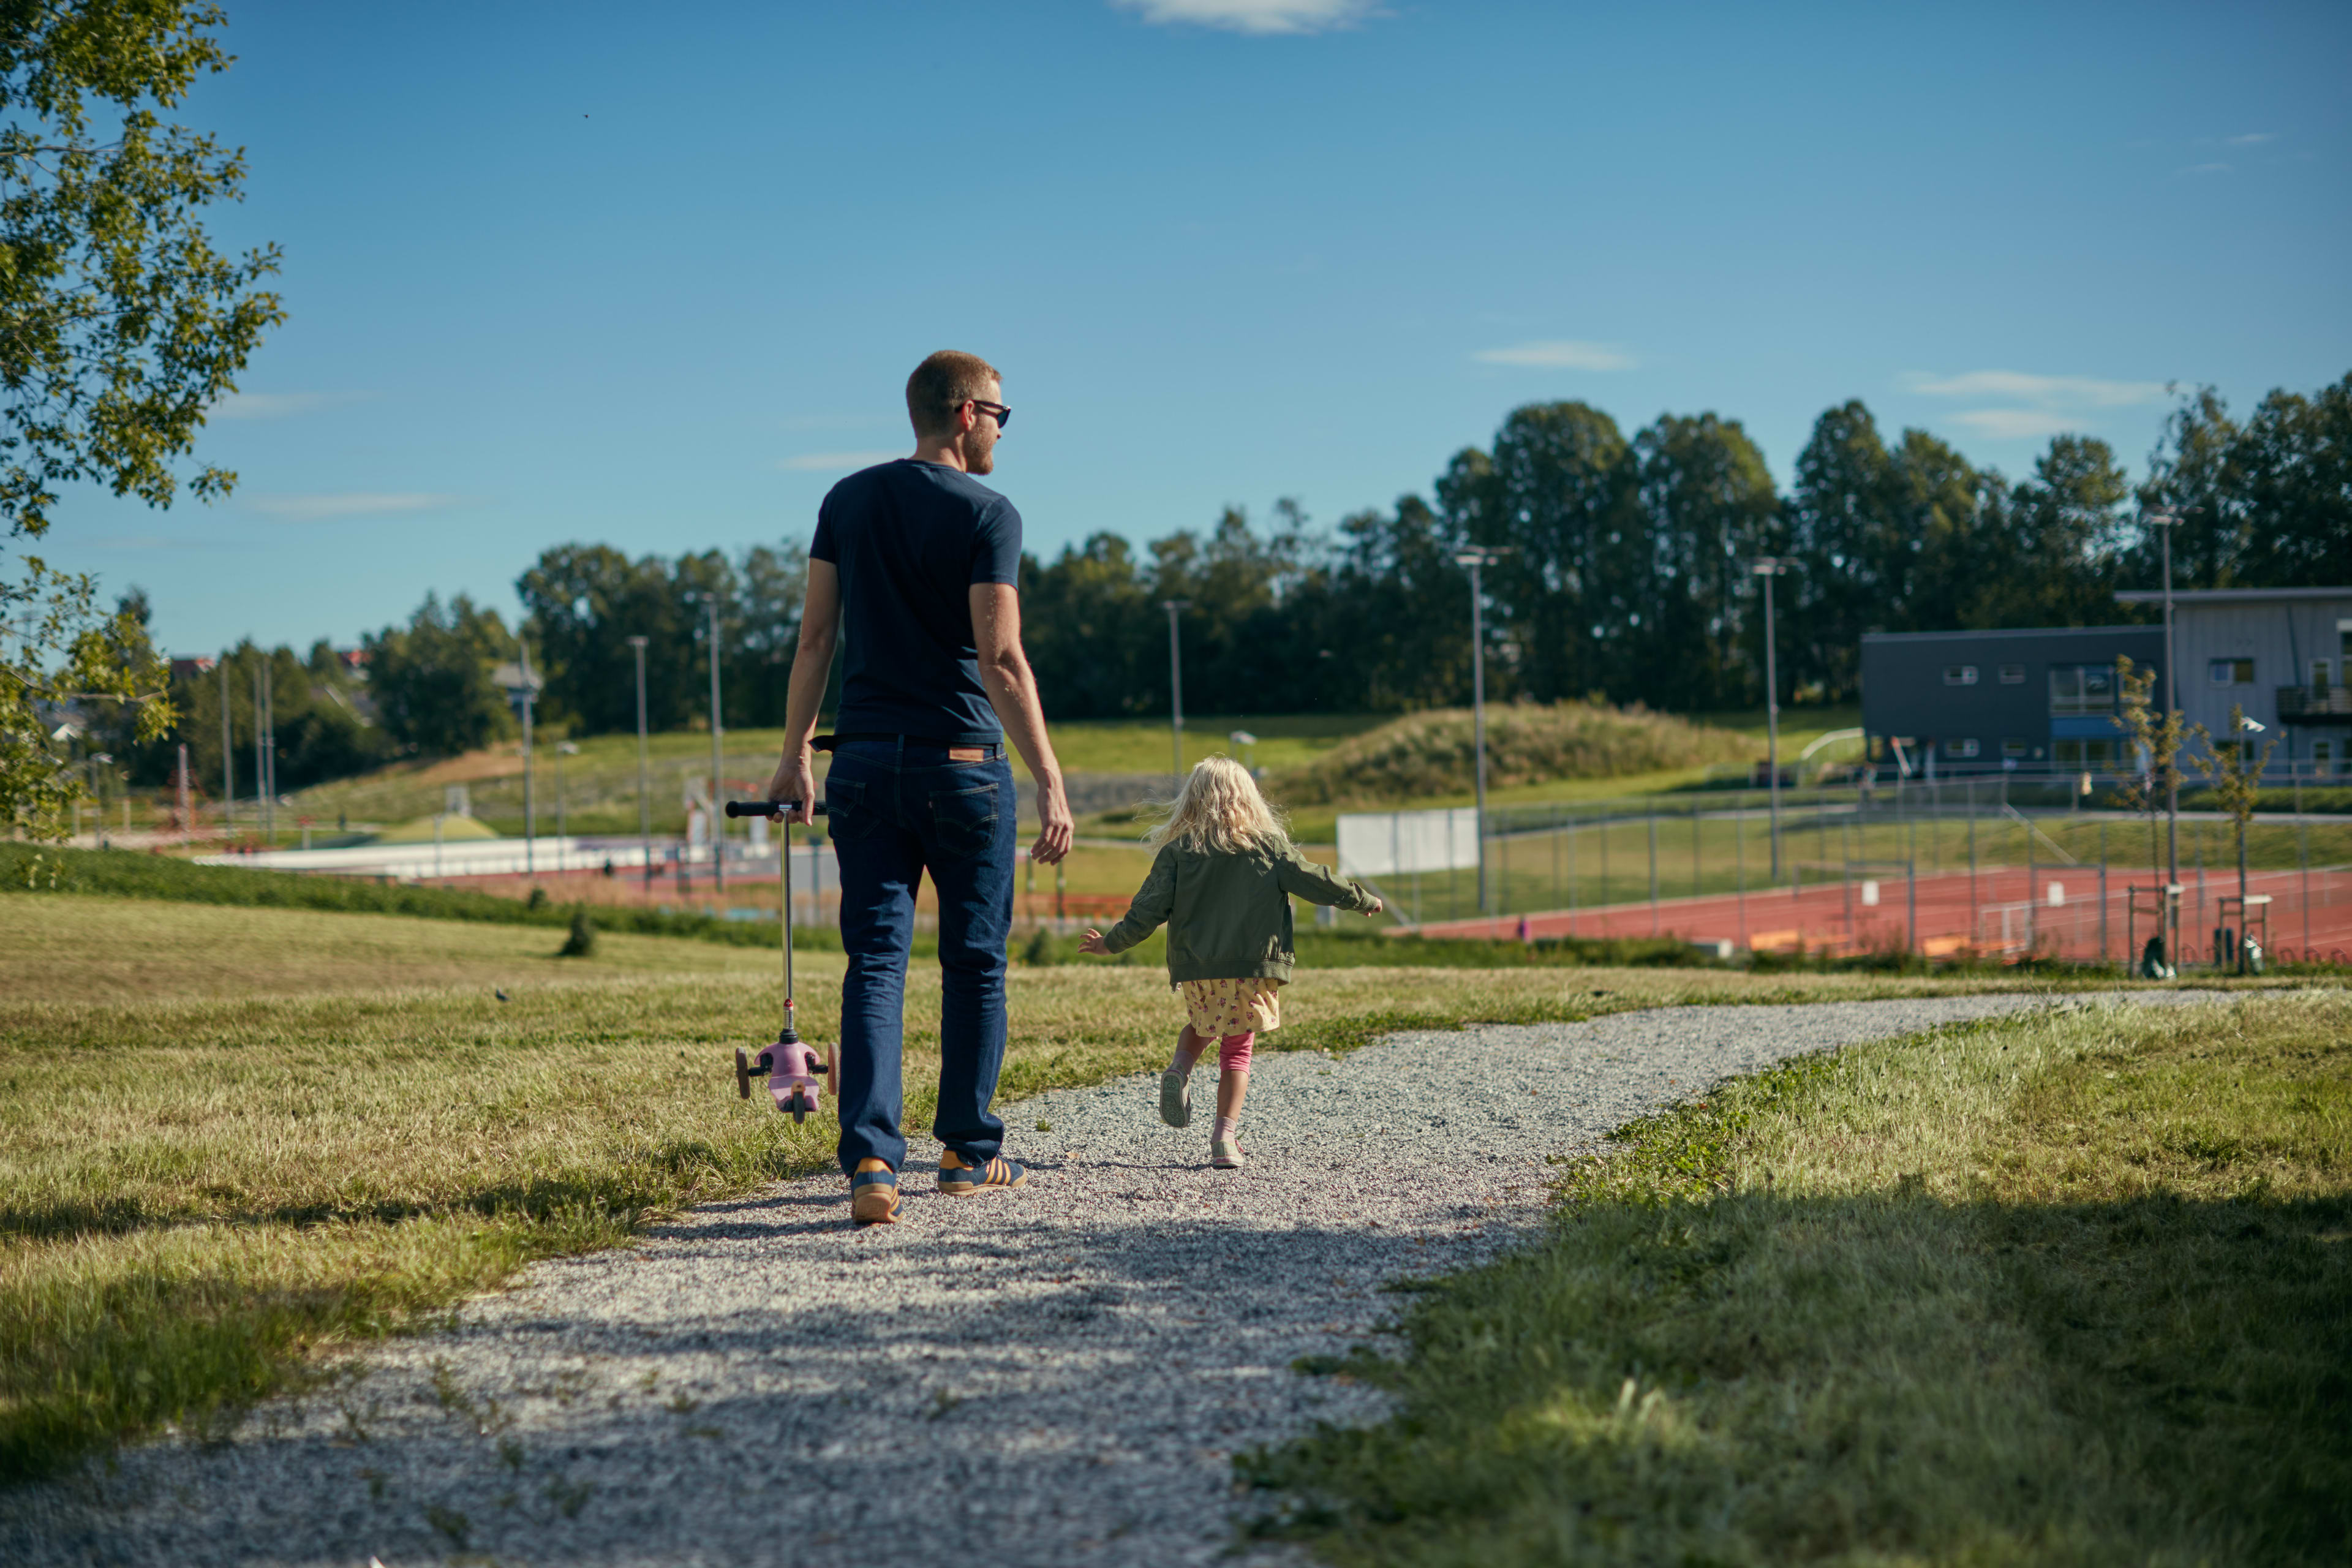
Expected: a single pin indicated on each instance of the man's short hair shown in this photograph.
(943, 384)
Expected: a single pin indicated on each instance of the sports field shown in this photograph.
(2056, 912)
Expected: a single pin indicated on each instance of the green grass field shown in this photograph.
(234, 1138)
(2074, 1288)
(597, 788)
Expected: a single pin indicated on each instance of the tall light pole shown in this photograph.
(2166, 518)
(529, 688)
(1176, 681)
(229, 760)
(718, 822)
(562, 830)
(1476, 558)
(2245, 727)
(261, 753)
(645, 806)
(1768, 567)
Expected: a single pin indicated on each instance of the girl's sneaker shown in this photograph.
(1226, 1152)
(1176, 1098)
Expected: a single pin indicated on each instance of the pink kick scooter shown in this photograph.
(795, 1075)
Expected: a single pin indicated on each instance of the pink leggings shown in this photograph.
(1233, 1052)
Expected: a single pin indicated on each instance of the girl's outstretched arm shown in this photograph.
(1154, 902)
(1316, 885)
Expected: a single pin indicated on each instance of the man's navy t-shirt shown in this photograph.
(909, 540)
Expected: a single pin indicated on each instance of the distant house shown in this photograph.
(2283, 655)
(2045, 701)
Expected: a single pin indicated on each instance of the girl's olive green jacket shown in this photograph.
(1228, 916)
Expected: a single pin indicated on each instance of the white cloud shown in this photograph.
(835, 462)
(1559, 355)
(2017, 423)
(1258, 16)
(2047, 404)
(2205, 169)
(2250, 139)
(350, 504)
(279, 404)
(2049, 391)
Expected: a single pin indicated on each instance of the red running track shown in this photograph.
(2001, 910)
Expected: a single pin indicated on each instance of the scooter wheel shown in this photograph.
(799, 1106)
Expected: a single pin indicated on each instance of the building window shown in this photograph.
(2082, 688)
(2323, 756)
(1967, 748)
(2012, 748)
(2231, 671)
(2322, 675)
(2096, 755)
(2013, 675)
(1960, 675)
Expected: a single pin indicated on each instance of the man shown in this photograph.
(913, 569)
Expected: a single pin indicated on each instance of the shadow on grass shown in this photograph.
(1759, 1379)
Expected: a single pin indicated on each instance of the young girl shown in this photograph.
(1222, 881)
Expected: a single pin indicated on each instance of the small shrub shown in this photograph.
(582, 942)
(1042, 952)
(538, 899)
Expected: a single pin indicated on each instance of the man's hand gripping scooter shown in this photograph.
(797, 1077)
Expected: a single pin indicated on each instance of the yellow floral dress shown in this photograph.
(1216, 1009)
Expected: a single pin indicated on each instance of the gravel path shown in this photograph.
(1055, 1376)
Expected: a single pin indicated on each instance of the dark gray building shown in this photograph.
(2040, 700)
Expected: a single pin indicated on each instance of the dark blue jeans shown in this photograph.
(897, 809)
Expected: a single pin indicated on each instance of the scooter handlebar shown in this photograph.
(768, 808)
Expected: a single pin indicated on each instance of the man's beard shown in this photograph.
(978, 458)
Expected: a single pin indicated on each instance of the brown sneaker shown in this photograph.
(874, 1194)
(958, 1180)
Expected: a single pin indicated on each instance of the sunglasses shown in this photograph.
(998, 411)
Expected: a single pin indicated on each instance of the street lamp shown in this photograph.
(1478, 557)
(521, 688)
(2166, 518)
(562, 749)
(709, 598)
(644, 808)
(2245, 727)
(1768, 567)
(1176, 681)
(229, 760)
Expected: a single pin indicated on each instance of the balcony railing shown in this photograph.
(2314, 702)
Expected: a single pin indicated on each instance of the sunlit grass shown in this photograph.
(2071, 1288)
(229, 1136)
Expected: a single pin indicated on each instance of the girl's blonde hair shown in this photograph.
(1219, 811)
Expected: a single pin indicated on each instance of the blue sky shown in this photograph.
(573, 272)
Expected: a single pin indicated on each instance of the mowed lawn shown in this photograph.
(232, 1136)
(2074, 1288)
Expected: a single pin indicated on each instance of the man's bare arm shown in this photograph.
(1013, 692)
(812, 667)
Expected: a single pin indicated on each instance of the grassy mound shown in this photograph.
(1435, 752)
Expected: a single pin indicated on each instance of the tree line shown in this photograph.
(1625, 575)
